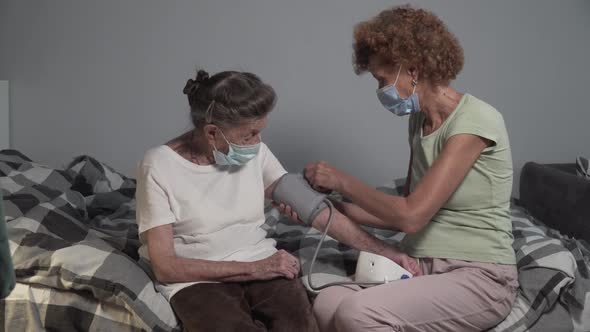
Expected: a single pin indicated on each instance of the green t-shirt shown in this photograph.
(474, 224)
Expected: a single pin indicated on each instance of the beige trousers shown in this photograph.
(452, 295)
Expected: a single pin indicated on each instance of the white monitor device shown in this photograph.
(4, 116)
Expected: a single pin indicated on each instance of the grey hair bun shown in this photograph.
(192, 85)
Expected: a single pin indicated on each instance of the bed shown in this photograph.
(73, 239)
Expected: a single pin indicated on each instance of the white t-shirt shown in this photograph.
(216, 212)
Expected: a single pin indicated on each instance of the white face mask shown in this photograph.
(393, 102)
(237, 154)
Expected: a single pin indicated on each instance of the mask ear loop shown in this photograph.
(209, 119)
(414, 83)
(398, 72)
(225, 138)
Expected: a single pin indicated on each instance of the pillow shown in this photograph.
(90, 177)
(583, 167)
(18, 171)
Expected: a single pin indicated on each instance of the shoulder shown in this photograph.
(264, 147)
(479, 118)
(264, 151)
(478, 115)
(475, 109)
(155, 157)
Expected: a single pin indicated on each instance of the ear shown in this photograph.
(209, 131)
(413, 72)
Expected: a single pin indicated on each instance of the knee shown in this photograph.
(357, 313)
(325, 301)
(352, 315)
(324, 307)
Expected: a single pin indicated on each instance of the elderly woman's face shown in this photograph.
(248, 133)
(386, 74)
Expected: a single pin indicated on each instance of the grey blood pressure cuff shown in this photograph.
(292, 189)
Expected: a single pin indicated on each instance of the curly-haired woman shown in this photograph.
(456, 211)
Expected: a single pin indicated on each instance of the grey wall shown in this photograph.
(105, 77)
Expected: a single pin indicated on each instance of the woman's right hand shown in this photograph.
(280, 264)
(402, 259)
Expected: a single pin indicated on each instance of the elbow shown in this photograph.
(162, 276)
(163, 272)
(411, 222)
(410, 228)
(410, 217)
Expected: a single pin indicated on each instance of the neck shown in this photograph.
(200, 150)
(437, 103)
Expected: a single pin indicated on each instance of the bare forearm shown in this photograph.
(358, 215)
(179, 269)
(392, 212)
(348, 232)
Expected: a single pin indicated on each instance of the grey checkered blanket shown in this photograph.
(554, 276)
(74, 243)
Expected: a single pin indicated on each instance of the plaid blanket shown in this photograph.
(73, 236)
(37, 308)
(74, 243)
(554, 276)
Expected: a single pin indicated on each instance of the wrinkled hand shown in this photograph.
(323, 176)
(280, 264)
(288, 211)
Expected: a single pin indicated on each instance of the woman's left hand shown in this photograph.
(323, 176)
(288, 211)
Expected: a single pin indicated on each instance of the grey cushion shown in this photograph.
(583, 167)
(555, 195)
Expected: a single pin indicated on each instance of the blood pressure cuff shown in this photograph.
(293, 190)
(7, 278)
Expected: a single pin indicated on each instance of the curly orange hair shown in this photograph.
(410, 37)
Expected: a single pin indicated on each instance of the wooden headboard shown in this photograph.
(4, 116)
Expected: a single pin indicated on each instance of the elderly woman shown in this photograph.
(456, 211)
(200, 208)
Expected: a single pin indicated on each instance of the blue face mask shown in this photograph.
(237, 154)
(391, 100)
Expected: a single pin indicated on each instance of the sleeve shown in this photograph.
(479, 122)
(153, 205)
(272, 169)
